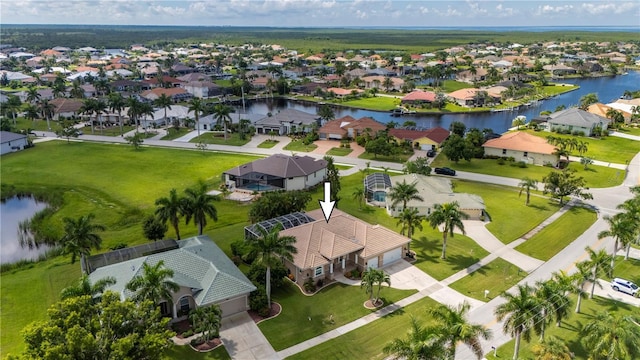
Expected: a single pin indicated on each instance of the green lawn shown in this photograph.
(267, 144)
(379, 103)
(560, 233)
(338, 151)
(627, 269)
(401, 158)
(367, 341)
(173, 134)
(297, 145)
(557, 89)
(630, 130)
(595, 176)
(510, 218)
(233, 139)
(344, 302)
(452, 85)
(569, 329)
(38, 125)
(497, 277)
(609, 149)
(186, 352)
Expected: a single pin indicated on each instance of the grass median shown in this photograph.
(496, 277)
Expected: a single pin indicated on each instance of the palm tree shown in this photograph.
(410, 219)
(612, 336)
(587, 100)
(221, 114)
(554, 302)
(164, 101)
(380, 278)
(403, 193)
(87, 108)
(198, 205)
(84, 287)
(631, 213)
(169, 209)
(154, 284)
(450, 215)
(269, 249)
(581, 278)
(621, 229)
(368, 282)
(599, 264)
(358, 195)
(133, 110)
(79, 237)
(99, 108)
(552, 348)
(47, 109)
(197, 106)
(421, 343)
(145, 109)
(33, 96)
(206, 320)
(455, 328)
(521, 313)
(12, 105)
(117, 104)
(31, 112)
(526, 185)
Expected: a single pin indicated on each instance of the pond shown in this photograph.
(12, 212)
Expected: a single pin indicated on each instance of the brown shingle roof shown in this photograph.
(521, 141)
(64, 105)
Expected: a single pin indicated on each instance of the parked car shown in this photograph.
(431, 153)
(625, 286)
(445, 171)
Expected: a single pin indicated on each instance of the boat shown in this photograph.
(400, 110)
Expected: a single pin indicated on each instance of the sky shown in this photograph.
(323, 13)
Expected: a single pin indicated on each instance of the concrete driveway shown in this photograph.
(243, 339)
(405, 276)
(608, 293)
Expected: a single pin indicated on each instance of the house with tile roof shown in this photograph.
(421, 139)
(522, 147)
(287, 121)
(205, 274)
(277, 172)
(65, 107)
(325, 249)
(176, 94)
(576, 120)
(347, 126)
(417, 97)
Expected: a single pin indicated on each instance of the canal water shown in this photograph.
(607, 88)
(13, 211)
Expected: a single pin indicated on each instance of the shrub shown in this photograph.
(520, 164)
(319, 283)
(257, 274)
(347, 145)
(118, 246)
(501, 161)
(355, 274)
(309, 286)
(187, 333)
(237, 247)
(198, 341)
(258, 299)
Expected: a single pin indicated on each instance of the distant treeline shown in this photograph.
(40, 37)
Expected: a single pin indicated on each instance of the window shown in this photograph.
(504, 151)
(318, 271)
(526, 154)
(164, 309)
(184, 304)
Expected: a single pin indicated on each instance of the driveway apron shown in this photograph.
(243, 339)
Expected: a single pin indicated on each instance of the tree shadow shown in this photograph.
(612, 305)
(426, 249)
(461, 262)
(538, 207)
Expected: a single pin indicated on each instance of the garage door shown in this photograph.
(391, 256)
(233, 306)
(373, 263)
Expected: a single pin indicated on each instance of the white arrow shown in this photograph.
(327, 205)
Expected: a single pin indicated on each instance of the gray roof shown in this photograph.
(289, 115)
(577, 117)
(280, 165)
(198, 264)
(235, 118)
(6, 136)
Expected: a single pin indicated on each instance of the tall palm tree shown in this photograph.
(80, 235)
(521, 313)
(583, 276)
(621, 229)
(207, 320)
(154, 284)
(164, 101)
(631, 212)
(133, 110)
(269, 249)
(198, 205)
(526, 185)
(403, 193)
(410, 219)
(169, 209)
(47, 109)
(33, 96)
(358, 195)
(99, 108)
(612, 336)
(197, 106)
(451, 216)
(12, 105)
(145, 110)
(368, 282)
(31, 112)
(554, 302)
(85, 287)
(421, 343)
(380, 277)
(455, 328)
(87, 108)
(552, 348)
(221, 114)
(117, 104)
(599, 264)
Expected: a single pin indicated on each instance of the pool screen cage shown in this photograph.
(287, 221)
(376, 182)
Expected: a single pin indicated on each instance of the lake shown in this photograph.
(13, 211)
(607, 88)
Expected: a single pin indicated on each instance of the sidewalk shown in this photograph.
(625, 136)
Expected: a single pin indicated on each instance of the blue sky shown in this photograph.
(323, 13)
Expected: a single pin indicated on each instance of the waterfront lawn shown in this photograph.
(338, 151)
(368, 341)
(510, 218)
(298, 145)
(379, 103)
(553, 89)
(176, 352)
(569, 331)
(217, 138)
(452, 85)
(25, 295)
(497, 277)
(595, 176)
(267, 144)
(560, 233)
(344, 302)
(173, 134)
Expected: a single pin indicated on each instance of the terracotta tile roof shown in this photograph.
(341, 91)
(464, 94)
(319, 241)
(419, 95)
(333, 127)
(521, 141)
(50, 52)
(364, 123)
(438, 134)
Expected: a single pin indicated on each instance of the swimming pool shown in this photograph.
(259, 187)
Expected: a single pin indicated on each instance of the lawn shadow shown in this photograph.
(538, 207)
(612, 305)
(461, 262)
(426, 249)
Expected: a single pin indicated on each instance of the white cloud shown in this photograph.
(610, 8)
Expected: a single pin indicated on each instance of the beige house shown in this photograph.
(522, 147)
(340, 245)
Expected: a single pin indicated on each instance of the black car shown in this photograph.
(445, 171)
(431, 153)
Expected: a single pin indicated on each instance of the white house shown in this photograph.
(12, 142)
